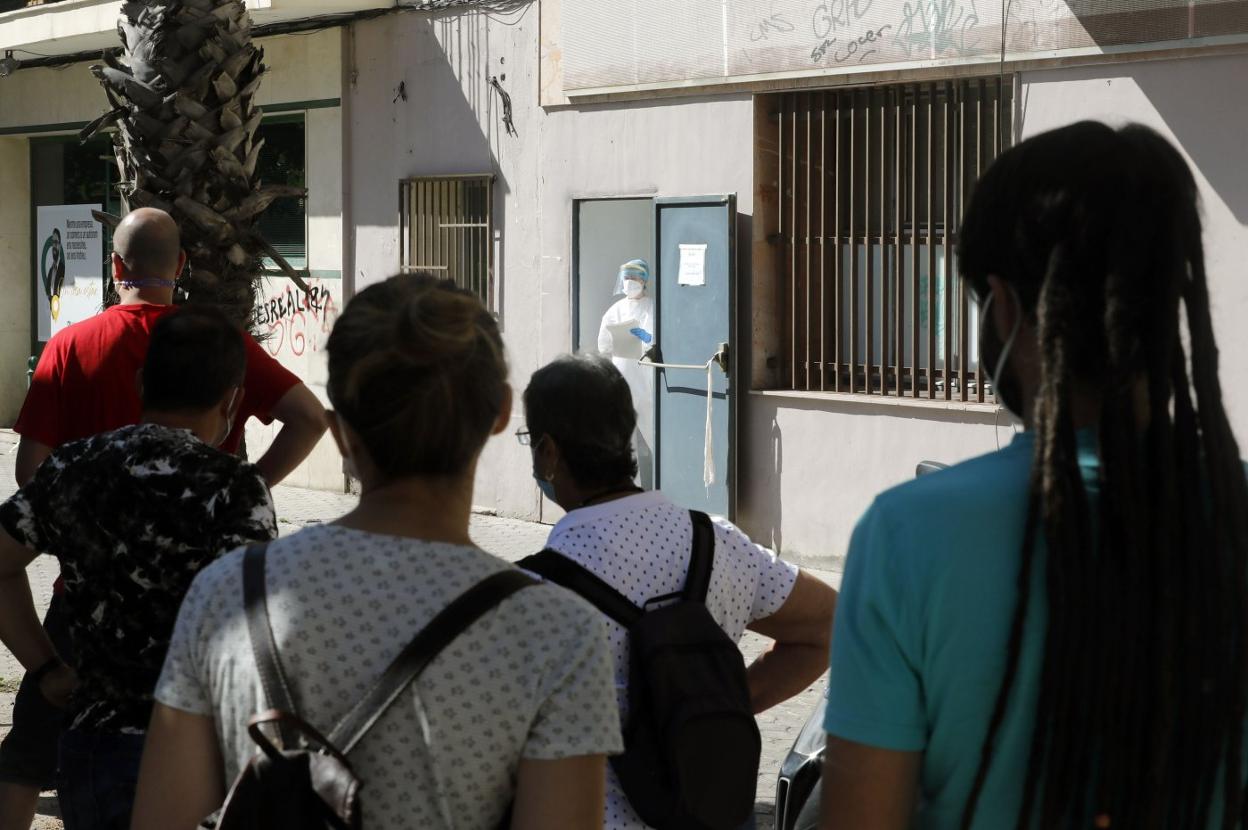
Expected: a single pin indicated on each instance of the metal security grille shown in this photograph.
(872, 183)
(446, 226)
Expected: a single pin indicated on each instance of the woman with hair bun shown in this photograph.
(518, 710)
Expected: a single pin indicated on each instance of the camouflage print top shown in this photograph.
(133, 515)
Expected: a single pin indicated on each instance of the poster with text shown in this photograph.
(69, 266)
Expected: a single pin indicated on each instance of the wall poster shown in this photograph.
(69, 266)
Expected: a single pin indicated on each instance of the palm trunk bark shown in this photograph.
(182, 98)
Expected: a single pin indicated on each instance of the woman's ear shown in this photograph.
(336, 430)
(1005, 306)
(546, 456)
(504, 413)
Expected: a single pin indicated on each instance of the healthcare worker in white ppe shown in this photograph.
(627, 333)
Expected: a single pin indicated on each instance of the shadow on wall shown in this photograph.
(424, 105)
(832, 456)
(1210, 128)
(775, 507)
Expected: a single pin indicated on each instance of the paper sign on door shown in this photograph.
(692, 265)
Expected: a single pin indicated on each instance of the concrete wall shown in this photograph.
(15, 279)
(810, 463)
(1199, 104)
(451, 123)
(47, 96)
(307, 68)
(807, 465)
(301, 68)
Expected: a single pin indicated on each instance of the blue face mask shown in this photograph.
(547, 487)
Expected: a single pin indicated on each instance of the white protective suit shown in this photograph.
(624, 349)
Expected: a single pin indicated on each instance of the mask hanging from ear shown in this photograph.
(231, 412)
(1005, 388)
(544, 484)
(547, 487)
(348, 462)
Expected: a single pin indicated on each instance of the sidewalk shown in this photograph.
(509, 539)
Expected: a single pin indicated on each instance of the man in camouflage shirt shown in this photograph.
(132, 515)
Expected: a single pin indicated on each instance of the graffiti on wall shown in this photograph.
(743, 38)
(293, 323)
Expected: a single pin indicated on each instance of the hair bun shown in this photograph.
(417, 368)
(435, 326)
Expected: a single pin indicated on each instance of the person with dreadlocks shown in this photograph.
(1055, 635)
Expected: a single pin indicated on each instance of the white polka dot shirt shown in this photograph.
(641, 546)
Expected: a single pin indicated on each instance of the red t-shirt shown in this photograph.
(85, 382)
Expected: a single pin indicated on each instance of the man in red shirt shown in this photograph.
(85, 384)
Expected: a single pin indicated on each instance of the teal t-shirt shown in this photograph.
(922, 623)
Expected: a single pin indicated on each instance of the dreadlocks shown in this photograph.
(1139, 720)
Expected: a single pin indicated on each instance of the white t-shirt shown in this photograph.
(641, 545)
(530, 679)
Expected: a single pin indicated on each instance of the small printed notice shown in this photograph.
(69, 267)
(692, 265)
(624, 343)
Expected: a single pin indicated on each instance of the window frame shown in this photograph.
(268, 267)
(858, 237)
(466, 258)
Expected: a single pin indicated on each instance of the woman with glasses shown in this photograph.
(580, 422)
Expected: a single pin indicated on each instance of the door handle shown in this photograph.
(720, 358)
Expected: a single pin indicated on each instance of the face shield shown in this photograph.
(634, 271)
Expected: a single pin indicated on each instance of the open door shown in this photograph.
(606, 234)
(695, 282)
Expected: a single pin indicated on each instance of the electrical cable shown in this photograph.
(507, 117)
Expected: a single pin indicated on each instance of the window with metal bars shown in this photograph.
(872, 183)
(446, 227)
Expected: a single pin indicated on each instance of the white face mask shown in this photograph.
(230, 412)
(633, 289)
(348, 462)
(994, 375)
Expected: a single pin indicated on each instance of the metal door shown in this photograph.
(695, 244)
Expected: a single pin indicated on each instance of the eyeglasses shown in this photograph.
(524, 437)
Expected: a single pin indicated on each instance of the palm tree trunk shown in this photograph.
(183, 102)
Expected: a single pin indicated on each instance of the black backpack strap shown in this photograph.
(701, 558)
(562, 571)
(449, 623)
(263, 646)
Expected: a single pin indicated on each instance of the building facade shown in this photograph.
(793, 171)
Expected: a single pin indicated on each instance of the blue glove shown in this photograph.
(642, 335)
